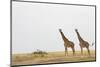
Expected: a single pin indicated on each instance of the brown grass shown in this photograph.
(51, 57)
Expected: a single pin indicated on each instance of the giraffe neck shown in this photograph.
(63, 37)
(79, 37)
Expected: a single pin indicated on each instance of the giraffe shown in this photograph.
(83, 43)
(67, 43)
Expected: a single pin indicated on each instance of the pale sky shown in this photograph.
(35, 26)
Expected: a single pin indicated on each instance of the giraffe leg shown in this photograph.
(73, 51)
(88, 51)
(66, 51)
(81, 51)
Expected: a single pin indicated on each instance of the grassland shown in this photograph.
(51, 57)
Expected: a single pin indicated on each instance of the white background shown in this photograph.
(5, 33)
(35, 26)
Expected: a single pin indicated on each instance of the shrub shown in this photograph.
(40, 53)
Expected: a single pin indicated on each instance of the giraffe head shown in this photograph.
(76, 30)
(60, 30)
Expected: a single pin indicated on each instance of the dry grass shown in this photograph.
(51, 57)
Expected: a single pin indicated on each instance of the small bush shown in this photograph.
(39, 53)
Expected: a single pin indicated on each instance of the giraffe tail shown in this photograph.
(92, 44)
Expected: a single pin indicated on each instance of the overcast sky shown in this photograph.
(35, 26)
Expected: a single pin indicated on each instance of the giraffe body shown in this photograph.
(67, 43)
(82, 43)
